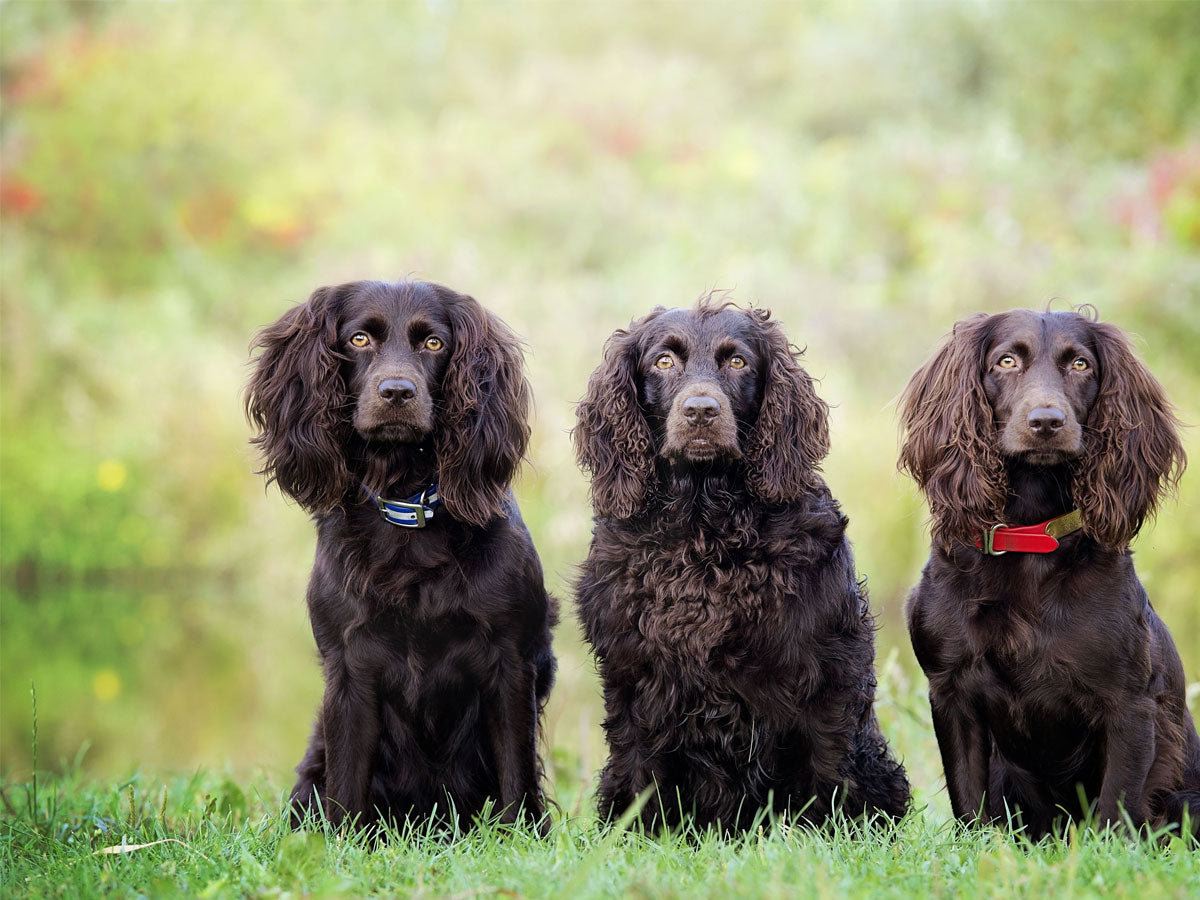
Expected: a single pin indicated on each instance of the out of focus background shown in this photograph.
(174, 175)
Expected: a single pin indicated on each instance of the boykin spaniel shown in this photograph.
(732, 635)
(396, 413)
(1042, 444)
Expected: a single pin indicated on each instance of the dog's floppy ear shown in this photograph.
(296, 399)
(790, 437)
(612, 438)
(949, 444)
(482, 428)
(1132, 452)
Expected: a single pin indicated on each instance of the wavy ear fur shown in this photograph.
(296, 400)
(483, 419)
(1132, 451)
(948, 442)
(791, 434)
(612, 438)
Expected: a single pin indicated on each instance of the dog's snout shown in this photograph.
(1046, 420)
(397, 391)
(701, 410)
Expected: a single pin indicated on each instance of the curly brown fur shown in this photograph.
(1131, 454)
(734, 641)
(948, 423)
(435, 642)
(1048, 673)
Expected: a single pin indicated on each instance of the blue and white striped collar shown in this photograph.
(411, 513)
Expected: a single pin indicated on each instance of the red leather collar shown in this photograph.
(1040, 538)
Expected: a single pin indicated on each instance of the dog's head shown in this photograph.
(701, 389)
(1040, 389)
(365, 368)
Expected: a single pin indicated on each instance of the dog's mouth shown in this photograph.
(1047, 450)
(393, 431)
(399, 434)
(401, 424)
(1044, 452)
(1047, 456)
(703, 449)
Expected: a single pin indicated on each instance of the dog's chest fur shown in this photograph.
(692, 593)
(721, 601)
(690, 598)
(1033, 636)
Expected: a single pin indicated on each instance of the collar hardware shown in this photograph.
(1041, 538)
(989, 541)
(415, 512)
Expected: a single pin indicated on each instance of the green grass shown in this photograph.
(221, 833)
(209, 836)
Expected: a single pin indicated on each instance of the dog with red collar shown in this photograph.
(1056, 691)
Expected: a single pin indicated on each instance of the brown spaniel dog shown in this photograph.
(1042, 444)
(397, 414)
(732, 634)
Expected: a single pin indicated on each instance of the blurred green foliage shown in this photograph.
(172, 176)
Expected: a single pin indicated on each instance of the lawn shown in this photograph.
(211, 834)
(207, 836)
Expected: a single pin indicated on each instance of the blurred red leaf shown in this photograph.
(18, 197)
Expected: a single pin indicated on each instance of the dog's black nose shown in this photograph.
(1045, 420)
(700, 410)
(397, 391)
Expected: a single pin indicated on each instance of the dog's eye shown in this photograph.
(1080, 365)
(737, 362)
(360, 339)
(664, 361)
(1007, 361)
(434, 343)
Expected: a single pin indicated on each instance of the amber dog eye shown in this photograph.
(1080, 365)
(434, 343)
(736, 362)
(1006, 361)
(664, 361)
(360, 339)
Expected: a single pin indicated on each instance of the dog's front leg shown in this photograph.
(1128, 755)
(350, 716)
(310, 785)
(966, 747)
(512, 727)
